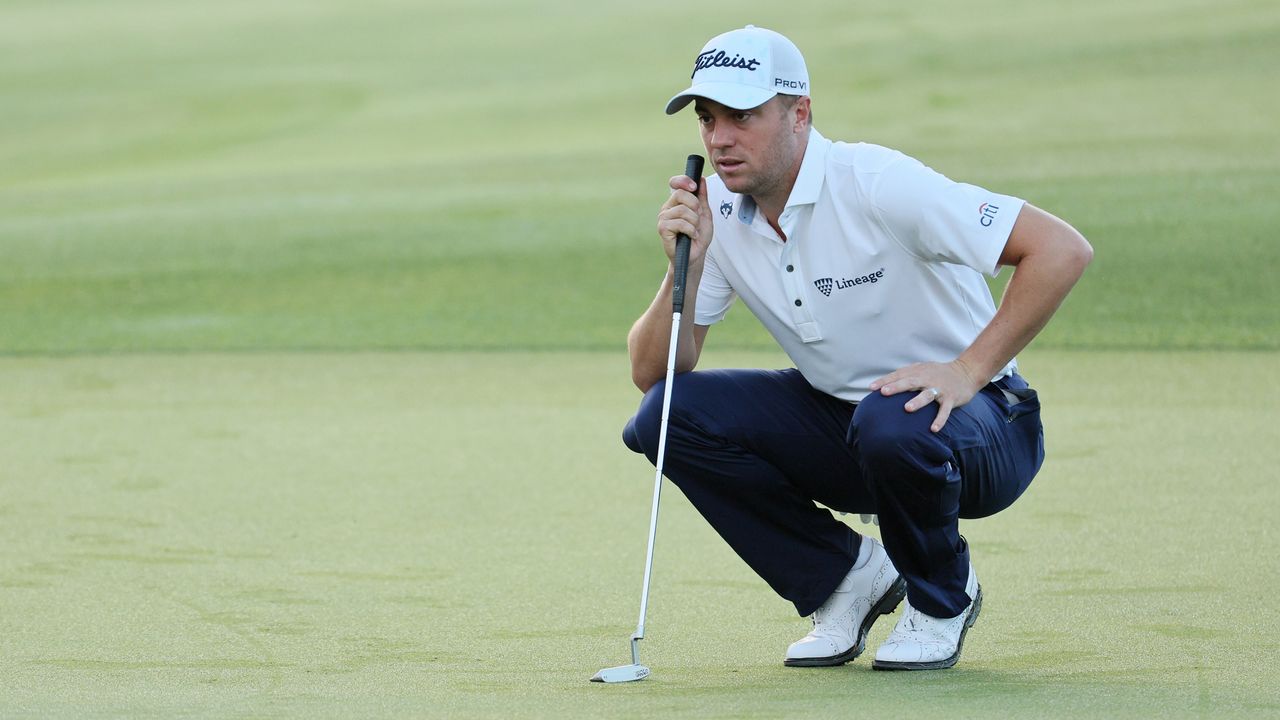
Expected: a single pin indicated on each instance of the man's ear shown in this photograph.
(802, 113)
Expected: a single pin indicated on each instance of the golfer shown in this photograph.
(905, 402)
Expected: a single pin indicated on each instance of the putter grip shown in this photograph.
(693, 169)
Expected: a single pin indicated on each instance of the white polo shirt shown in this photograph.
(882, 266)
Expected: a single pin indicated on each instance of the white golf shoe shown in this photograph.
(841, 624)
(924, 642)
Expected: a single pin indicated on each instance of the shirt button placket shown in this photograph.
(791, 281)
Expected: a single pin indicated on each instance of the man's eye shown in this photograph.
(742, 116)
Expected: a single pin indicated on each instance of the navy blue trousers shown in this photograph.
(753, 450)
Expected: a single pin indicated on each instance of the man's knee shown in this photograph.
(642, 430)
(889, 440)
(695, 400)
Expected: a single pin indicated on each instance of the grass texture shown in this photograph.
(399, 175)
(405, 535)
(311, 367)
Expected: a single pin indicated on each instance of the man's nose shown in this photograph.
(721, 136)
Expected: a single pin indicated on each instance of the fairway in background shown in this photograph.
(240, 176)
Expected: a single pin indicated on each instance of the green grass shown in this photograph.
(410, 535)
(485, 176)
(220, 496)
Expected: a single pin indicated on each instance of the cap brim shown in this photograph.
(738, 97)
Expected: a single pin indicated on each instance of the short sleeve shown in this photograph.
(715, 294)
(940, 220)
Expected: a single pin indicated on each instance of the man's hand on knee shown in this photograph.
(948, 384)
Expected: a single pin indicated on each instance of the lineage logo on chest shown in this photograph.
(828, 285)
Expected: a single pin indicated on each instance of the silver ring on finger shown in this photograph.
(934, 392)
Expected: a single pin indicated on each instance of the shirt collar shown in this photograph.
(813, 170)
(808, 185)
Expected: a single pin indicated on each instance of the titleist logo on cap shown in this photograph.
(718, 58)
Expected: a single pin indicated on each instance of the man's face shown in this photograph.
(754, 151)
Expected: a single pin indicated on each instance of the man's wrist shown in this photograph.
(977, 380)
(695, 268)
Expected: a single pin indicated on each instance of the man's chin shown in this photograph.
(739, 185)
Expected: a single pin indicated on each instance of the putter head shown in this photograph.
(622, 673)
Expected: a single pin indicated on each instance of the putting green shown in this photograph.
(462, 535)
(224, 524)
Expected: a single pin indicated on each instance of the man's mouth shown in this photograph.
(728, 164)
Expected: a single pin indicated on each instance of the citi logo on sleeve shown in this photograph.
(826, 285)
(987, 214)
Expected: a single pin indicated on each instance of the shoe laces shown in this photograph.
(913, 618)
(822, 615)
(926, 626)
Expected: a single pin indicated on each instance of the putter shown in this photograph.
(636, 671)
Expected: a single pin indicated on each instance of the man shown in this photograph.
(866, 267)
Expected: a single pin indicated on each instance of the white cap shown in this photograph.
(743, 69)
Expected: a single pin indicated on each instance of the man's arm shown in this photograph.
(648, 343)
(649, 340)
(1049, 256)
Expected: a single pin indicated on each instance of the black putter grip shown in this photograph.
(693, 169)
